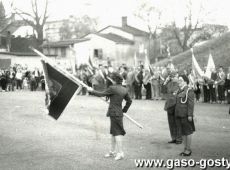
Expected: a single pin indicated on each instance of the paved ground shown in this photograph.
(29, 139)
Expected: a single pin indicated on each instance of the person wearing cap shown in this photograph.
(116, 93)
(184, 113)
(172, 87)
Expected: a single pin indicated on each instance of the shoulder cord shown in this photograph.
(186, 97)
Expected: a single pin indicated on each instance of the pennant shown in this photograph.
(195, 66)
(148, 65)
(91, 65)
(135, 59)
(60, 89)
(73, 59)
(147, 62)
(168, 51)
(210, 66)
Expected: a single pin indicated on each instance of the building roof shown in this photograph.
(129, 29)
(12, 27)
(23, 54)
(64, 43)
(116, 38)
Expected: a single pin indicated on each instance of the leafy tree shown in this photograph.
(76, 27)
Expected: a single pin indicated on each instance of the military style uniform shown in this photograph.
(227, 87)
(184, 108)
(172, 88)
(116, 94)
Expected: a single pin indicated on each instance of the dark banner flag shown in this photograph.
(60, 89)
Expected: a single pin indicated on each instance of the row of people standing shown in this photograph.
(150, 83)
(21, 78)
(217, 88)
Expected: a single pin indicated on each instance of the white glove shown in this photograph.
(89, 89)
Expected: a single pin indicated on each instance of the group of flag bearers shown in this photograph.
(61, 87)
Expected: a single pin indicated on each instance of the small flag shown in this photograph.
(147, 62)
(195, 66)
(168, 51)
(135, 60)
(73, 59)
(210, 66)
(60, 89)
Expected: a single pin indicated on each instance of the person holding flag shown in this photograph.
(116, 94)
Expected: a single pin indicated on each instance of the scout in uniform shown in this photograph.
(116, 93)
(184, 113)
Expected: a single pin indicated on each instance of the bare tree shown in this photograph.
(191, 25)
(151, 15)
(35, 19)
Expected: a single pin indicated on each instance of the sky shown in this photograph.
(109, 12)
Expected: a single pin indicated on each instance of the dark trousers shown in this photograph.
(228, 97)
(37, 79)
(212, 92)
(197, 96)
(175, 131)
(33, 85)
(206, 94)
(148, 91)
(221, 96)
(19, 83)
(137, 90)
(43, 85)
(3, 84)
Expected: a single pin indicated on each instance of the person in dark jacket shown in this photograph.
(116, 94)
(220, 85)
(138, 82)
(212, 86)
(184, 113)
(227, 85)
(172, 88)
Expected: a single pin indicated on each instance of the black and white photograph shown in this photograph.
(114, 84)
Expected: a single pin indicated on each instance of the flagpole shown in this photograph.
(77, 81)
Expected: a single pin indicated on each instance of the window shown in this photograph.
(56, 51)
(98, 53)
(63, 52)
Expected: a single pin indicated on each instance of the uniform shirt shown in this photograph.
(184, 108)
(116, 94)
(172, 88)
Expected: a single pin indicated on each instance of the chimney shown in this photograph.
(124, 21)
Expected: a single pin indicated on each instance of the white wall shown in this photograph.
(118, 32)
(30, 61)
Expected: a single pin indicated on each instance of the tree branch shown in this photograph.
(45, 16)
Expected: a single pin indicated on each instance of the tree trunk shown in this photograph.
(39, 31)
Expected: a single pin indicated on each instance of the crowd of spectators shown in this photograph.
(18, 77)
(142, 83)
(151, 84)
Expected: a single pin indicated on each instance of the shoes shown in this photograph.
(178, 142)
(172, 141)
(110, 154)
(186, 154)
(119, 156)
